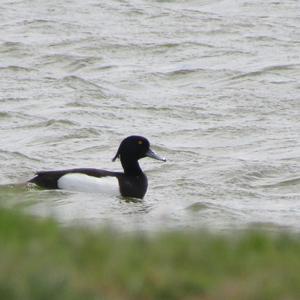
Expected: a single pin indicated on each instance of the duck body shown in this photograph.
(130, 183)
(72, 179)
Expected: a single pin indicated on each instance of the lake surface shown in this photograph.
(214, 86)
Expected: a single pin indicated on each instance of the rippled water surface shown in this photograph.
(214, 85)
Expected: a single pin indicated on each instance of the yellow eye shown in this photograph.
(140, 142)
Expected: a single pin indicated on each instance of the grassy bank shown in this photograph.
(40, 260)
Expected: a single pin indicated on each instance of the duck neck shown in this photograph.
(131, 167)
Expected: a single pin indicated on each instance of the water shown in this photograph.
(214, 85)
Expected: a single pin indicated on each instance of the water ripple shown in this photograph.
(214, 85)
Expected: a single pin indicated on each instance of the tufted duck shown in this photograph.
(132, 183)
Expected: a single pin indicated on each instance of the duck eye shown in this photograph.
(140, 142)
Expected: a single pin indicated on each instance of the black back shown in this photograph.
(49, 179)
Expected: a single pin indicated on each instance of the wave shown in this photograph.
(17, 154)
(261, 71)
(14, 68)
(284, 183)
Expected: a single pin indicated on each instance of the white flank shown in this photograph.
(84, 183)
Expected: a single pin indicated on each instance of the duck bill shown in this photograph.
(152, 154)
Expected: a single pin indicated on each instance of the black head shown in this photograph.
(134, 148)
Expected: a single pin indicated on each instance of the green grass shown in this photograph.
(41, 260)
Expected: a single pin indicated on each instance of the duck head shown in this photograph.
(134, 148)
